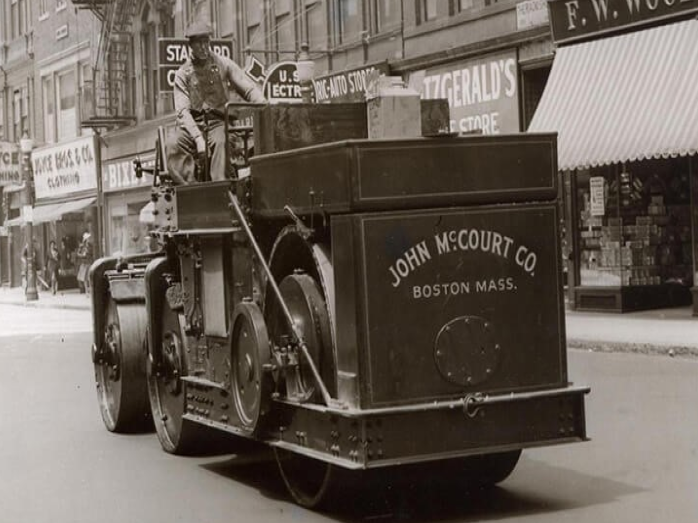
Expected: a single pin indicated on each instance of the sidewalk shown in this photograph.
(671, 332)
(68, 299)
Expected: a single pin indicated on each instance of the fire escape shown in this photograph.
(107, 100)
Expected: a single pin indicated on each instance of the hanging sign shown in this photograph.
(482, 93)
(597, 186)
(282, 84)
(173, 52)
(10, 168)
(64, 169)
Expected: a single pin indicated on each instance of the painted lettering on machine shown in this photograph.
(575, 19)
(482, 93)
(455, 242)
(64, 169)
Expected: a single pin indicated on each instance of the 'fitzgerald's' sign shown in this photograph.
(575, 19)
(63, 169)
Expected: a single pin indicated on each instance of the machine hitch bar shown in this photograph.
(329, 400)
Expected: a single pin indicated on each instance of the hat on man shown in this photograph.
(198, 29)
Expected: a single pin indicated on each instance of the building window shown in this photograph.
(20, 113)
(67, 110)
(463, 5)
(283, 36)
(388, 16)
(428, 10)
(18, 18)
(149, 64)
(349, 21)
(314, 24)
(49, 103)
(2, 117)
(253, 17)
(43, 9)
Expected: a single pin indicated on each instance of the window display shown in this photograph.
(634, 224)
(128, 233)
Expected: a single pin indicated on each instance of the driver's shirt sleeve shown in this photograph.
(243, 84)
(182, 103)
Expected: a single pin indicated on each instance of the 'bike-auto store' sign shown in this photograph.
(482, 93)
(64, 169)
(173, 52)
(346, 86)
(118, 175)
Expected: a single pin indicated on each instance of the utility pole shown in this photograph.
(26, 145)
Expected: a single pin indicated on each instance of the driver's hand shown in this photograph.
(200, 145)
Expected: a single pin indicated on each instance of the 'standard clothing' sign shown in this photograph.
(482, 93)
(575, 19)
(10, 169)
(346, 86)
(64, 169)
(173, 52)
(118, 175)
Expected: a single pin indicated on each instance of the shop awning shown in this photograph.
(53, 211)
(624, 98)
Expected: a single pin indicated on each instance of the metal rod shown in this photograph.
(287, 313)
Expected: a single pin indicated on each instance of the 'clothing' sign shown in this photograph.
(64, 169)
(10, 170)
(482, 93)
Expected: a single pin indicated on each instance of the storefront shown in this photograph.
(66, 203)
(125, 196)
(10, 185)
(625, 108)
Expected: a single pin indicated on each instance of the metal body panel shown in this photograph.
(414, 275)
(363, 175)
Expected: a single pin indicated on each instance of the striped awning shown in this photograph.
(624, 98)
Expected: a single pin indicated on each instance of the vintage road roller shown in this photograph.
(357, 305)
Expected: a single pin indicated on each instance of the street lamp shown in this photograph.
(26, 145)
(306, 71)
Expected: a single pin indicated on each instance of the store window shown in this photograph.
(129, 228)
(634, 225)
(349, 21)
(533, 85)
(67, 110)
(388, 15)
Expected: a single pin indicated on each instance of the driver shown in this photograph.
(202, 86)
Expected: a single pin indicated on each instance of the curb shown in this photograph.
(681, 351)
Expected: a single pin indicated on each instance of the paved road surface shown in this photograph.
(59, 465)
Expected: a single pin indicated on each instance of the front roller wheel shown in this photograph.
(120, 369)
(167, 390)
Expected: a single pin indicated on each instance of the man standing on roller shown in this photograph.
(202, 86)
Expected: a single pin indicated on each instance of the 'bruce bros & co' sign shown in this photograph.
(173, 52)
(575, 19)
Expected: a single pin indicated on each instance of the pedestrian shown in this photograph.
(84, 256)
(53, 262)
(200, 94)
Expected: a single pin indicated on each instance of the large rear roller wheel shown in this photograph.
(120, 369)
(312, 483)
(167, 390)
